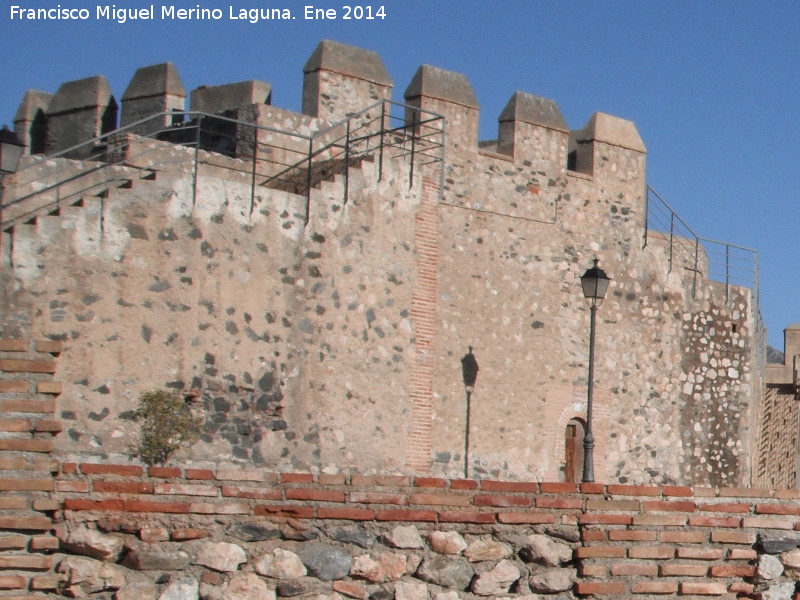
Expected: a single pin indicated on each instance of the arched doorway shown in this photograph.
(573, 451)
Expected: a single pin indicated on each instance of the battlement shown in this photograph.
(338, 81)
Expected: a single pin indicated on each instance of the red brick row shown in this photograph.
(616, 498)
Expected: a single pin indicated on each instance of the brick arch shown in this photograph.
(576, 409)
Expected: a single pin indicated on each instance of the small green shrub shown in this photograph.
(167, 423)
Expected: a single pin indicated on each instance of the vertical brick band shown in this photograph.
(423, 316)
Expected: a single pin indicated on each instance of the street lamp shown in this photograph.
(594, 283)
(10, 152)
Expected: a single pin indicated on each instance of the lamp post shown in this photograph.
(594, 283)
(10, 152)
(469, 372)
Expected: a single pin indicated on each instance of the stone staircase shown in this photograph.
(38, 220)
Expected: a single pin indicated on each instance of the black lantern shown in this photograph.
(595, 284)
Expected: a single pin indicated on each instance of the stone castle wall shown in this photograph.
(335, 346)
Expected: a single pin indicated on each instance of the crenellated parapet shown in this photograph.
(80, 111)
(450, 94)
(224, 98)
(339, 80)
(30, 122)
(587, 145)
(154, 89)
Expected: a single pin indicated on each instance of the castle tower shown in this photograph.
(30, 122)
(80, 111)
(341, 80)
(152, 90)
(449, 94)
(532, 128)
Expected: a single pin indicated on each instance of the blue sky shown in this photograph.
(713, 86)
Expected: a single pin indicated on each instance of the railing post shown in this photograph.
(253, 180)
(671, 238)
(646, 213)
(696, 265)
(411, 167)
(442, 161)
(347, 163)
(308, 180)
(727, 271)
(380, 150)
(196, 160)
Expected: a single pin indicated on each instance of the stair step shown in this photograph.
(47, 226)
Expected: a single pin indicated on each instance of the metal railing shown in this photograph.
(263, 156)
(726, 264)
(721, 262)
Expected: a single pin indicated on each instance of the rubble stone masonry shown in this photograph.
(323, 333)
